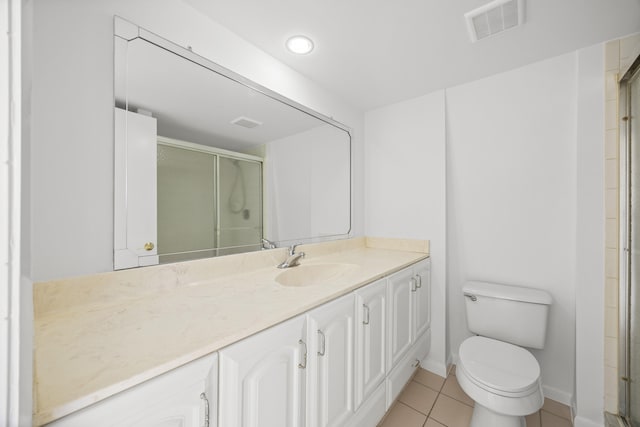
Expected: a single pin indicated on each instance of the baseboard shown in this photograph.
(557, 395)
(434, 366)
(585, 422)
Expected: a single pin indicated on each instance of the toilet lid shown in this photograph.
(499, 365)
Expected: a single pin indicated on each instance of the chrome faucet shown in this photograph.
(268, 244)
(293, 259)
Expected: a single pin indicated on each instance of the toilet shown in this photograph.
(494, 369)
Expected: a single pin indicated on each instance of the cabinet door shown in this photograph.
(183, 397)
(331, 383)
(262, 378)
(371, 338)
(400, 289)
(422, 273)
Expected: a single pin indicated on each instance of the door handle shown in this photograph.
(303, 365)
(324, 343)
(203, 396)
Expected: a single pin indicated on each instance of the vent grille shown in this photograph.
(494, 17)
(246, 122)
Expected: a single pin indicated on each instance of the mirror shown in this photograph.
(209, 163)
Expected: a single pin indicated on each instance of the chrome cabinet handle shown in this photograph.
(303, 365)
(203, 396)
(324, 343)
(365, 320)
(419, 279)
(414, 284)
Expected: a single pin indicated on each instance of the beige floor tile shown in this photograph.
(450, 412)
(452, 370)
(419, 397)
(533, 420)
(557, 408)
(452, 389)
(400, 415)
(547, 419)
(429, 379)
(433, 423)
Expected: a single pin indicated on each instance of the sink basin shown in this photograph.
(313, 274)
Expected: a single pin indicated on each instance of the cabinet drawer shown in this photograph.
(371, 411)
(405, 369)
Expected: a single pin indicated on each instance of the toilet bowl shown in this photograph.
(494, 369)
(502, 379)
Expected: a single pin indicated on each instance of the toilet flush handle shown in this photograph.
(471, 297)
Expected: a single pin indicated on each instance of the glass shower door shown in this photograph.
(186, 204)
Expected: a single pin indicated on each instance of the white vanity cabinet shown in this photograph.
(330, 332)
(371, 341)
(338, 365)
(422, 297)
(262, 378)
(408, 296)
(183, 397)
(400, 308)
(409, 302)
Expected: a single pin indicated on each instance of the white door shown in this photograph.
(332, 376)
(371, 336)
(262, 378)
(400, 289)
(135, 190)
(422, 274)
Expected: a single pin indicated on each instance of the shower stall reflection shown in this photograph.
(209, 203)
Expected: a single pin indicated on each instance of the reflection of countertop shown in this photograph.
(98, 335)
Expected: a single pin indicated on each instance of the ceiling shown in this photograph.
(372, 53)
(199, 105)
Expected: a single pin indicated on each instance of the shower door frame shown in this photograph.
(626, 167)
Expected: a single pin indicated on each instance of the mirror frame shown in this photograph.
(129, 31)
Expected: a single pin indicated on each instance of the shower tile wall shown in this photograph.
(619, 54)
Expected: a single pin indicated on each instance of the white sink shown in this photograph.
(313, 274)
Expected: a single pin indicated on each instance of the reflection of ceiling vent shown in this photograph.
(494, 17)
(246, 122)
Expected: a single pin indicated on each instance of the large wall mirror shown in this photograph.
(208, 163)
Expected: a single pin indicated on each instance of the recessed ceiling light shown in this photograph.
(300, 45)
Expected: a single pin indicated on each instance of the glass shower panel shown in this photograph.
(240, 205)
(186, 204)
(634, 283)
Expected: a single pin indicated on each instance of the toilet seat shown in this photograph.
(499, 367)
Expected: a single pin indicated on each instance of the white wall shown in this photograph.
(511, 189)
(405, 192)
(71, 161)
(590, 239)
(307, 188)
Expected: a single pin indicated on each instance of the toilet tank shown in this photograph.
(507, 313)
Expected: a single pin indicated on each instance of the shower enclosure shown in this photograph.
(209, 201)
(629, 363)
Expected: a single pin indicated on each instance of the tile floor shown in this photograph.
(432, 401)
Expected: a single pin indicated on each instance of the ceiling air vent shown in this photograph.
(494, 17)
(246, 122)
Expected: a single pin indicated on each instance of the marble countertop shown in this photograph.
(98, 335)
